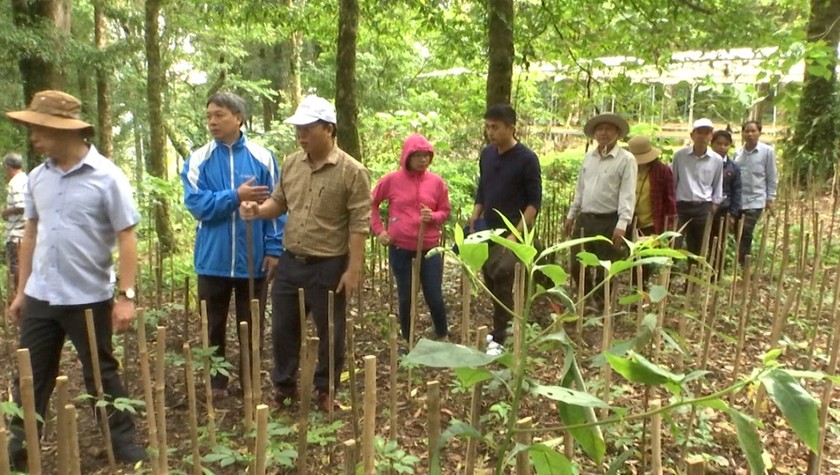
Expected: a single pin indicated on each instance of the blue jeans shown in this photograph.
(431, 280)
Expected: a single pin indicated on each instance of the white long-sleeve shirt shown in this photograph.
(607, 185)
(759, 179)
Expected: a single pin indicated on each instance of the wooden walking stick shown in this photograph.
(256, 339)
(331, 356)
(160, 389)
(368, 444)
(189, 377)
(208, 388)
(351, 371)
(433, 409)
(475, 408)
(248, 394)
(392, 376)
(73, 434)
(30, 422)
(306, 378)
(146, 374)
(100, 394)
(62, 399)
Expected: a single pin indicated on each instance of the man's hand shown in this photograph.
(247, 192)
(425, 214)
(349, 282)
(6, 213)
(122, 314)
(249, 209)
(618, 237)
(269, 266)
(769, 207)
(16, 309)
(568, 226)
(384, 238)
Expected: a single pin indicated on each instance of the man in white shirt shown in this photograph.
(759, 182)
(13, 213)
(605, 197)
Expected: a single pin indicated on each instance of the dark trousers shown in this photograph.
(316, 277)
(719, 231)
(12, 249)
(498, 273)
(693, 215)
(216, 291)
(589, 225)
(431, 280)
(750, 217)
(43, 329)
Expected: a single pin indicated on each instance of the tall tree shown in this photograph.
(104, 127)
(813, 150)
(156, 161)
(345, 78)
(500, 51)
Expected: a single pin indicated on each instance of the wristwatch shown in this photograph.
(128, 293)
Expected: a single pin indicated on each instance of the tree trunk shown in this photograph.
(156, 162)
(104, 128)
(345, 78)
(39, 72)
(813, 151)
(295, 43)
(500, 51)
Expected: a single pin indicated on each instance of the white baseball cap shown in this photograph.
(701, 123)
(312, 109)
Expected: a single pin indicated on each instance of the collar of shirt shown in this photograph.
(92, 159)
(706, 153)
(240, 142)
(611, 154)
(332, 158)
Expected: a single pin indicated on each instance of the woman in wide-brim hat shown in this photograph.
(656, 205)
(54, 110)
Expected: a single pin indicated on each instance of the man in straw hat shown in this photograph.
(698, 178)
(656, 207)
(78, 207)
(605, 197)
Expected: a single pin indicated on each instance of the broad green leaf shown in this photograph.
(482, 236)
(456, 429)
(564, 298)
(749, 441)
(772, 355)
(438, 354)
(554, 272)
(796, 404)
(510, 226)
(694, 375)
(639, 341)
(472, 376)
(523, 252)
(663, 252)
(570, 243)
(548, 461)
(590, 260)
(631, 299)
(459, 236)
(474, 255)
(618, 267)
(717, 404)
(657, 293)
(639, 370)
(590, 439)
(569, 396)
(801, 374)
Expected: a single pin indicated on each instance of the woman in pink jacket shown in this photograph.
(414, 195)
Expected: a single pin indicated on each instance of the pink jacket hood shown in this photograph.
(406, 193)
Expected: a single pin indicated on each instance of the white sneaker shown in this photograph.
(494, 349)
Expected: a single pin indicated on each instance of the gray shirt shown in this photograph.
(607, 185)
(78, 213)
(15, 199)
(759, 180)
(698, 179)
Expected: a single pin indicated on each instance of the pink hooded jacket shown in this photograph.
(405, 191)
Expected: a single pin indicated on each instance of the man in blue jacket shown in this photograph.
(217, 177)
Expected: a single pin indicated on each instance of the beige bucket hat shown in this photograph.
(641, 148)
(52, 109)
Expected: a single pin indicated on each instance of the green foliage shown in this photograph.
(391, 458)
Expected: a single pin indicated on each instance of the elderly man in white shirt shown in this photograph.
(759, 182)
(605, 197)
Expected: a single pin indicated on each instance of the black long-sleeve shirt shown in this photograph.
(508, 182)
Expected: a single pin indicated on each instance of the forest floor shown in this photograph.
(712, 435)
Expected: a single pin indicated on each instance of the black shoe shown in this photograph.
(130, 453)
(401, 352)
(18, 457)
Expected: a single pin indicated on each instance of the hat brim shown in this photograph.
(614, 119)
(28, 117)
(305, 119)
(647, 157)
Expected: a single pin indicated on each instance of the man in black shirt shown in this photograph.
(509, 183)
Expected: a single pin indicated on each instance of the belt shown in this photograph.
(307, 260)
(601, 215)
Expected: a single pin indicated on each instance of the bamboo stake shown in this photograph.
(762, 248)
(824, 281)
(581, 290)
(523, 465)
(433, 409)
(262, 438)
(737, 260)
(331, 355)
(256, 339)
(189, 377)
(205, 346)
(834, 304)
(518, 305)
(696, 466)
(392, 374)
(160, 387)
(306, 378)
(776, 239)
(30, 423)
(73, 434)
(351, 371)
(100, 394)
(606, 343)
(656, 439)
(815, 458)
(742, 319)
(187, 309)
(248, 395)
(62, 399)
(466, 297)
(475, 408)
(368, 446)
(4, 449)
(349, 457)
(145, 372)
